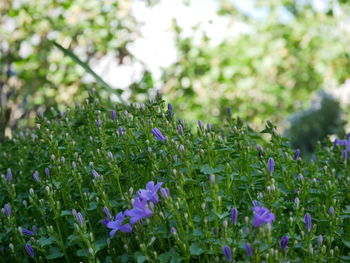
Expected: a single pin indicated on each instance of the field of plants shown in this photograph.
(136, 184)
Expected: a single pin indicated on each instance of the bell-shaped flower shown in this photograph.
(117, 224)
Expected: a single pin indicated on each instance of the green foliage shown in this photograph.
(93, 164)
(34, 74)
(315, 124)
(268, 73)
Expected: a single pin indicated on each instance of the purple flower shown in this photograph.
(110, 155)
(248, 249)
(107, 213)
(74, 165)
(7, 210)
(120, 131)
(170, 108)
(229, 112)
(345, 154)
(139, 211)
(340, 142)
(271, 165)
(9, 175)
(114, 115)
(29, 250)
(117, 224)
(150, 193)
(212, 178)
(27, 232)
(262, 215)
(98, 123)
(208, 126)
(227, 253)
(36, 176)
(180, 129)
(35, 230)
(47, 171)
(106, 221)
(156, 132)
(74, 213)
(165, 192)
(80, 218)
(173, 230)
(320, 240)
(300, 177)
(200, 124)
(234, 215)
(284, 242)
(95, 174)
(331, 210)
(297, 201)
(307, 220)
(296, 154)
(255, 203)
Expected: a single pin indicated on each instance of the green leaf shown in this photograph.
(46, 241)
(171, 256)
(207, 169)
(92, 206)
(87, 68)
(196, 250)
(82, 253)
(345, 258)
(66, 213)
(198, 233)
(100, 244)
(140, 258)
(346, 243)
(56, 184)
(124, 258)
(54, 252)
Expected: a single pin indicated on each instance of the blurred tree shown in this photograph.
(33, 72)
(323, 118)
(267, 73)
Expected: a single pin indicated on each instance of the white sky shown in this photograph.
(156, 47)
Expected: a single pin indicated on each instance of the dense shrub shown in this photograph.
(323, 118)
(222, 197)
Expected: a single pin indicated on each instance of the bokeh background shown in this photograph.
(280, 60)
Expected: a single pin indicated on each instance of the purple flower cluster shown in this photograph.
(7, 210)
(156, 132)
(142, 208)
(227, 253)
(117, 224)
(271, 165)
(345, 144)
(27, 232)
(262, 215)
(296, 155)
(284, 242)
(308, 223)
(9, 175)
(29, 250)
(78, 217)
(170, 109)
